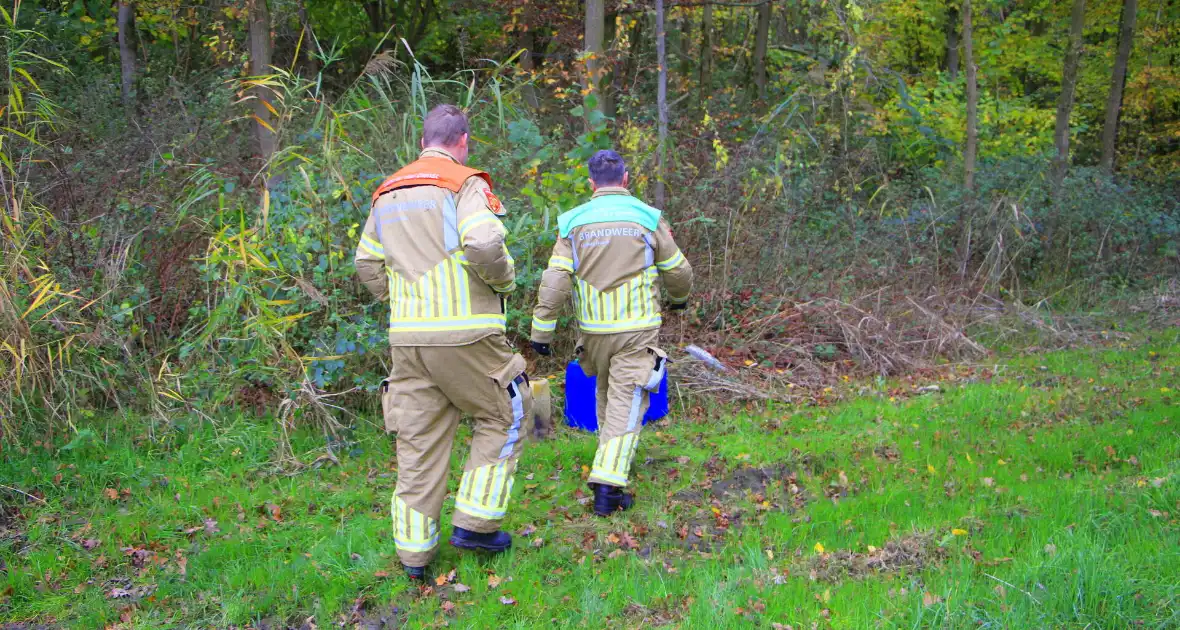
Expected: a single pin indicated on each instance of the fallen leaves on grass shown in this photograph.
(273, 511)
(209, 527)
(90, 543)
(135, 593)
(494, 580)
(507, 601)
(445, 578)
(461, 587)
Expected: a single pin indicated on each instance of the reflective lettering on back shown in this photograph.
(396, 212)
(602, 237)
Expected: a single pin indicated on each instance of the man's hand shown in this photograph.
(674, 306)
(542, 349)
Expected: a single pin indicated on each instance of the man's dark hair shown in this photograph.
(444, 126)
(607, 168)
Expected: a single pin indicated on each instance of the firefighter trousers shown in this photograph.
(628, 367)
(429, 388)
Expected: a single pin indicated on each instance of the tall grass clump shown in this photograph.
(41, 319)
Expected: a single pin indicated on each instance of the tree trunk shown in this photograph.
(309, 41)
(972, 148)
(126, 23)
(684, 41)
(373, 10)
(760, 49)
(610, 74)
(1114, 104)
(951, 62)
(595, 29)
(524, 41)
(706, 80)
(260, 50)
(1069, 80)
(969, 152)
(661, 103)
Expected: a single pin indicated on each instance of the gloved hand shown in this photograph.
(673, 306)
(542, 349)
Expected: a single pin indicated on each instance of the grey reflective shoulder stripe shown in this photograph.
(450, 223)
(574, 249)
(649, 252)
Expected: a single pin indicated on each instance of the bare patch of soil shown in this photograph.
(664, 613)
(908, 553)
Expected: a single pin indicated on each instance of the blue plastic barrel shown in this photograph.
(581, 408)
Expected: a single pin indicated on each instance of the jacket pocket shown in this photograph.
(388, 409)
(506, 374)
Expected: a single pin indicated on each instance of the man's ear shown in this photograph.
(422, 142)
(463, 141)
(593, 186)
(626, 179)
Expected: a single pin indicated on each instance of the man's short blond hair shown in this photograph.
(444, 126)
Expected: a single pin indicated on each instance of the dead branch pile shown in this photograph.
(811, 344)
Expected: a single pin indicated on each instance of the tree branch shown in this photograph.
(694, 5)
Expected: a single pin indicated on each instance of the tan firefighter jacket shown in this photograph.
(434, 247)
(609, 262)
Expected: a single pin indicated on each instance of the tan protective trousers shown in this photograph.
(429, 387)
(628, 367)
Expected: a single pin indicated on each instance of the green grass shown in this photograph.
(1040, 492)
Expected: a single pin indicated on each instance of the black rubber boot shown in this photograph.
(495, 542)
(417, 574)
(610, 499)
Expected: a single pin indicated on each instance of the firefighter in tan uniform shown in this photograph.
(609, 254)
(433, 246)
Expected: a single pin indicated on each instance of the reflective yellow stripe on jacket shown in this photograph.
(438, 301)
(629, 307)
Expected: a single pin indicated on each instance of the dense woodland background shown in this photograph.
(863, 187)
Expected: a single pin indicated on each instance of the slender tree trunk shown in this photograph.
(684, 41)
(260, 51)
(1069, 80)
(609, 70)
(760, 49)
(706, 80)
(1118, 81)
(951, 62)
(661, 103)
(595, 29)
(972, 148)
(126, 24)
(373, 10)
(524, 42)
(633, 60)
(309, 41)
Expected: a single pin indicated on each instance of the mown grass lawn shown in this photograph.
(1040, 492)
